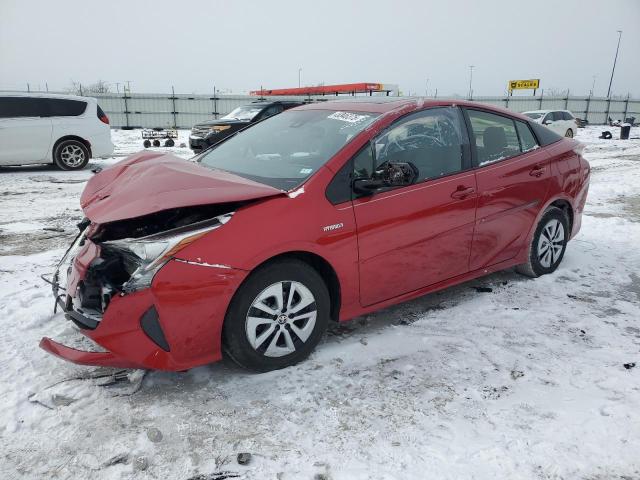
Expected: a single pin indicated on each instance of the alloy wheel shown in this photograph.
(281, 319)
(551, 243)
(72, 156)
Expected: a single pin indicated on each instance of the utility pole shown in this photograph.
(471, 81)
(118, 87)
(299, 77)
(614, 63)
(593, 86)
(426, 88)
(128, 86)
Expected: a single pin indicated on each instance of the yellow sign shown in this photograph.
(524, 84)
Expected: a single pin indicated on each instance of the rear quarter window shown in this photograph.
(527, 140)
(544, 135)
(59, 107)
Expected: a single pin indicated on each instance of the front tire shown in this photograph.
(569, 133)
(277, 317)
(70, 155)
(548, 245)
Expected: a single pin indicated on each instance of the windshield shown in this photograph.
(243, 113)
(534, 115)
(286, 149)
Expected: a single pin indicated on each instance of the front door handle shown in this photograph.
(462, 192)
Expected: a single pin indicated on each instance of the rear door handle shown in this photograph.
(537, 171)
(462, 192)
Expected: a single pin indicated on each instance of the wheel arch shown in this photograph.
(70, 137)
(566, 207)
(562, 203)
(320, 265)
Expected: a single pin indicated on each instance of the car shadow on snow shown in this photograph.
(431, 306)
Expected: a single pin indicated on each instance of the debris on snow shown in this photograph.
(629, 365)
(483, 289)
(116, 459)
(244, 458)
(140, 463)
(154, 435)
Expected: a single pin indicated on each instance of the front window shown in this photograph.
(286, 149)
(534, 115)
(431, 140)
(246, 112)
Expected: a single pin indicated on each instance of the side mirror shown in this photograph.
(368, 186)
(392, 175)
(547, 122)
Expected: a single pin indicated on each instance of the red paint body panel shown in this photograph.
(510, 195)
(403, 236)
(149, 182)
(391, 247)
(79, 357)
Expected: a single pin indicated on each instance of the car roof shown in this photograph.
(390, 104)
(46, 95)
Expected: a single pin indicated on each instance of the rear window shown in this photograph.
(16, 107)
(59, 107)
(534, 115)
(567, 116)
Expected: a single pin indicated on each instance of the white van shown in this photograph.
(560, 121)
(65, 130)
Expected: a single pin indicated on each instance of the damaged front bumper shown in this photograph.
(175, 324)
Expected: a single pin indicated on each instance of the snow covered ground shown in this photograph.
(526, 381)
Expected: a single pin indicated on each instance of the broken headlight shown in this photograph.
(144, 256)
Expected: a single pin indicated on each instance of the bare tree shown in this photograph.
(78, 88)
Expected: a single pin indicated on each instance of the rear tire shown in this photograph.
(569, 133)
(169, 142)
(548, 245)
(146, 143)
(277, 317)
(156, 143)
(70, 155)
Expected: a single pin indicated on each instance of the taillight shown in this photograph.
(102, 116)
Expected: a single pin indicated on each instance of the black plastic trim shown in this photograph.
(151, 327)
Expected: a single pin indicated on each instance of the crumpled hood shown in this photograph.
(150, 182)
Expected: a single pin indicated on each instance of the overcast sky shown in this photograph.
(241, 45)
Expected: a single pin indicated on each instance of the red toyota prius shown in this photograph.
(324, 212)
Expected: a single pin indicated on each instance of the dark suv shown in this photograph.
(205, 134)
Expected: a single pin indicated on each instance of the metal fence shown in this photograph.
(183, 110)
(596, 110)
(179, 110)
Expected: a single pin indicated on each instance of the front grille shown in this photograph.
(201, 130)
